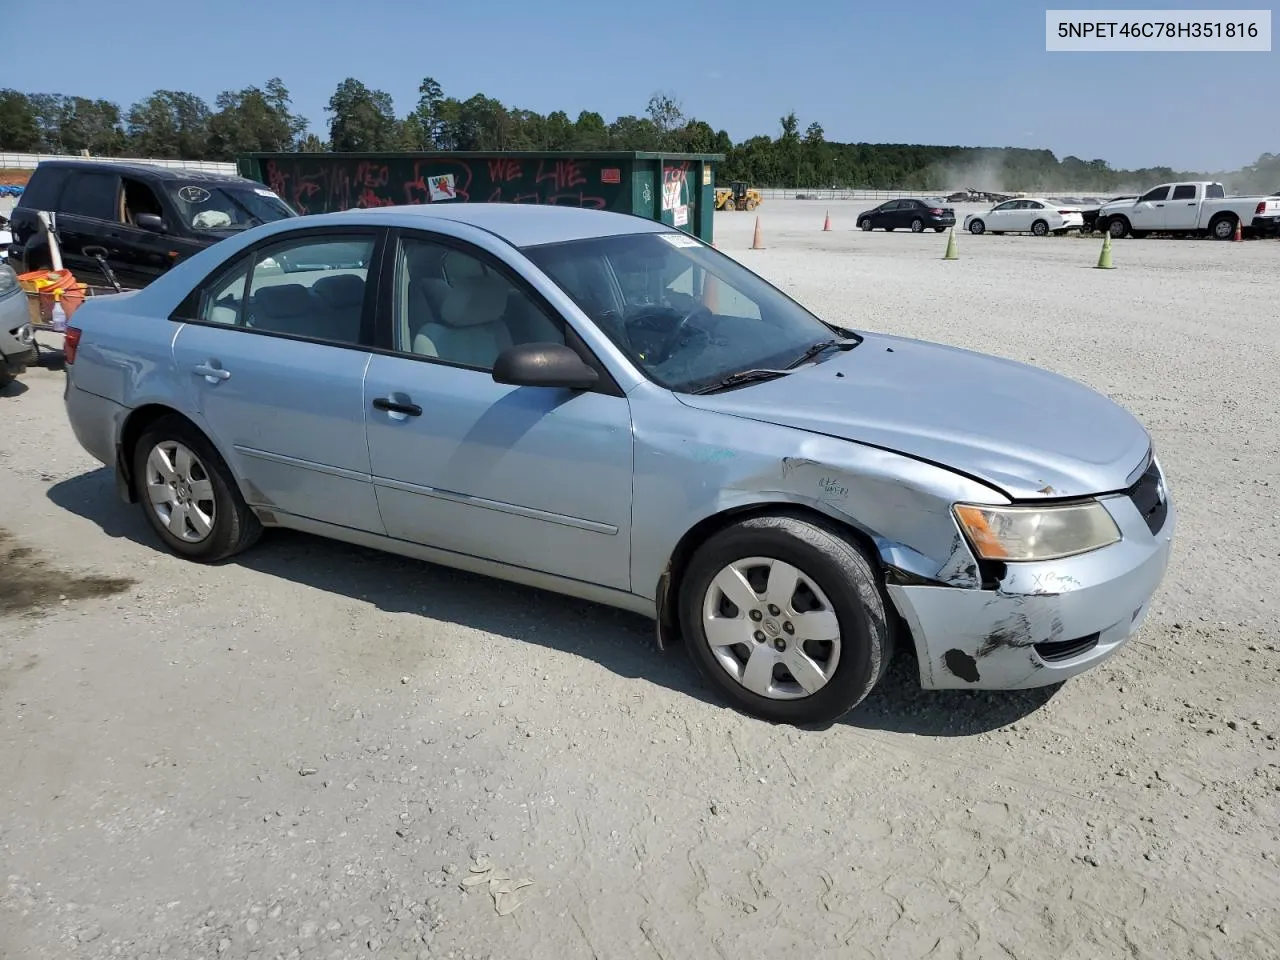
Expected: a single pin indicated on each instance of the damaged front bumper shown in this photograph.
(1045, 622)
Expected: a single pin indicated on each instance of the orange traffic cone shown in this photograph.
(1239, 235)
(826, 224)
(757, 241)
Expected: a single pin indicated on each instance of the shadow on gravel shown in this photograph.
(620, 641)
(14, 388)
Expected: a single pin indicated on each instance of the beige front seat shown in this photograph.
(471, 330)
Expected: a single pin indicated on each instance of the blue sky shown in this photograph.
(917, 71)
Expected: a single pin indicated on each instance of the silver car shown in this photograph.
(602, 406)
(17, 342)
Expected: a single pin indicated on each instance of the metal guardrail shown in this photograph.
(28, 161)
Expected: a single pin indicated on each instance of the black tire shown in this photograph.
(977, 227)
(1223, 228)
(730, 206)
(6, 377)
(865, 224)
(1118, 228)
(235, 527)
(917, 225)
(839, 569)
(1039, 228)
(938, 229)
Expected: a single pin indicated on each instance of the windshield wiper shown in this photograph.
(820, 346)
(742, 376)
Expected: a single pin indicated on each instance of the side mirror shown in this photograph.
(149, 221)
(543, 365)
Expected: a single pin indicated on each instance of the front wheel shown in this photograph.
(1118, 228)
(865, 223)
(729, 205)
(976, 226)
(786, 619)
(188, 495)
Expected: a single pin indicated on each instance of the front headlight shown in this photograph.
(8, 280)
(1020, 533)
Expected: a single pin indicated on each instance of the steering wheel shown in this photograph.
(643, 318)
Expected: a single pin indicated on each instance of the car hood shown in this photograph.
(1030, 433)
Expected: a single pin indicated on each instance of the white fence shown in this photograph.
(28, 161)
(789, 193)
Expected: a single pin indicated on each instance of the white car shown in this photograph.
(1026, 215)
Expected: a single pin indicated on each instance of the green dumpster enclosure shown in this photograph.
(677, 189)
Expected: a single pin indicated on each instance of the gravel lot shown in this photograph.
(303, 752)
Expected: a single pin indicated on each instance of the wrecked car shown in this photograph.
(599, 405)
(17, 338)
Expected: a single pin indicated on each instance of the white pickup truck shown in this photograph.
(1201, 207)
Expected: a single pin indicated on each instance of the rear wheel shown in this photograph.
(917, 225)
(751, 205)
(729, 205)
(1040, 228)
(1223, 228)
(786, 619)
(188, 494)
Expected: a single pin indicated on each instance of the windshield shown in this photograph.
(685, 314)
(217, 208)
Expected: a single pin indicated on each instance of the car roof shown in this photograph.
(152, 171)
(520, 224)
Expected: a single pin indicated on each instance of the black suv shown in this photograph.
(146, 218)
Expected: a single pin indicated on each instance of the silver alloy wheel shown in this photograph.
(179, 491)
(771, 628)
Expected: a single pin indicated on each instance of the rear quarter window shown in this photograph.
(42, 190)
(1215, 192)
(91, 193)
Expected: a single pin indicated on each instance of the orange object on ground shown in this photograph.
(826, 224)
(39, 286)
(73, 296)
(757, 240)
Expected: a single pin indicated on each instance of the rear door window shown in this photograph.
(91, 193)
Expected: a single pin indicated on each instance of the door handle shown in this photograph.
(392, 406)
(1159, 204)
(211, 373)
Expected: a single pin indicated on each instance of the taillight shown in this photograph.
(71, 344)
(1066, 213)
(1262, 208)
(935, 211)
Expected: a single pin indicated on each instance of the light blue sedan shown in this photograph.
(598, 405)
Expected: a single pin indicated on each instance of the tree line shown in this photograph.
(180, 125)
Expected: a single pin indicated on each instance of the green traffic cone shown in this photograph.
(1104, 258)
(952, 253)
